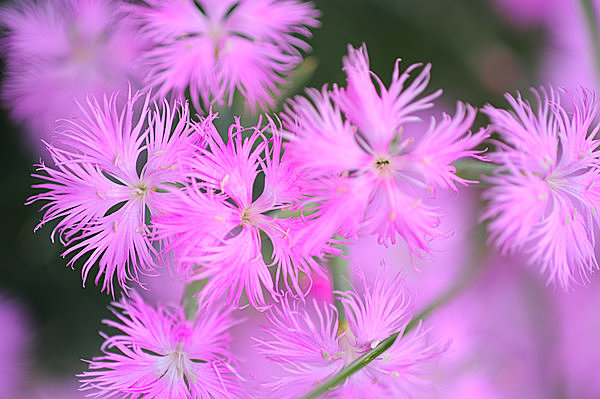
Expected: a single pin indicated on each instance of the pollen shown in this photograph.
(223, 182)
(392, 216)
(341, 189)
(416, 203)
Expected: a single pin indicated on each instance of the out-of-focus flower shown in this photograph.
(568, 58)
(577, 352)
(530, 12)
(214, 47)
(160, 354)
(311, 347)
(59, 51)
(367, 175)
(544, 197)
(108, 170)
(14, 337)
(56, 389)
(252, 366)
(217, 227)
(486, 359)
(428, 278)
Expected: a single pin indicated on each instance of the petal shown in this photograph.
(377, 111)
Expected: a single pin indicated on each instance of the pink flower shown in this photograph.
(59, 51)
(218, 227)
(215, 47)
(368, 175)
(98, 191)
(160, 354)
(544, 195)
(311, 347)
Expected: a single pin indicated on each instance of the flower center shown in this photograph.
(141, 190)
(383, 164)
(176, 366)
(248, 216)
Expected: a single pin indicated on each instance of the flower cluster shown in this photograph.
(248, 215)
(138, 186)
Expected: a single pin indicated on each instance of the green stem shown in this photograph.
(473, 169)
(362, 361)
(188, 302)
(340, 276)
(592, 24)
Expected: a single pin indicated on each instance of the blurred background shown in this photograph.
(479, 50)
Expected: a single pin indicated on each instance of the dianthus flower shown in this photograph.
(310, 346)
(108, 170)
(214, 47)
(159, 354)
(544, 197)
(60, 50)
(368, 175)
(219, 226)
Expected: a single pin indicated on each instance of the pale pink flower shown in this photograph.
(15, 335)
(310, 346)
(544, 196)
(368, 174)
(218, 226)
(58, 51)
(97, 189)
(215, 47)
(159, 354)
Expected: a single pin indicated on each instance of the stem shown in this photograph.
(189, 304)
(340, 275)
(468, 276)
(298, 79)
(362, 361)
(592, 24)
(472, 169)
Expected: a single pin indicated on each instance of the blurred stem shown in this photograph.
(592, 24)
(188, 302)
(225, 119)
(467, 277)
(473, 169)
(340, 277)
(298, 79)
